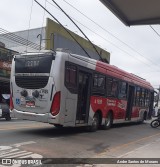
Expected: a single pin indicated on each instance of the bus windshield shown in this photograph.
(33, 63)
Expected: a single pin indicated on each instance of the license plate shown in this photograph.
(30, 104)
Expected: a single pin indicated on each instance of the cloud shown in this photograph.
(134, 49)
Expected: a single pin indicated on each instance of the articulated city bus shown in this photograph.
(65, 89)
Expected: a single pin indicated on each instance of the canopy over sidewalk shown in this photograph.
(135, 12)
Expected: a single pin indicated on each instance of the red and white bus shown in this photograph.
(65, 89)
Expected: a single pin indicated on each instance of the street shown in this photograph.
(29, 139)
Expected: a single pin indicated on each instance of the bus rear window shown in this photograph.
(33, 64)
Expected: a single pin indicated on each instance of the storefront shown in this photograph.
(5, 69)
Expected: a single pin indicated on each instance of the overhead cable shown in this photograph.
(63, 27)
(110, 33)
(79, 29)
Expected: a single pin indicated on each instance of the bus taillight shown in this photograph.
(11, 104)
(56, 104)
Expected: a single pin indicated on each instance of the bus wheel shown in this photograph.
(108, 121)
(8, 118)
(95, 123)
(144, 117)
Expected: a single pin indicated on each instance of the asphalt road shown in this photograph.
(29, 139)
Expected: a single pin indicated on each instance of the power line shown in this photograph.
(29, 23)
(155, 31)
(148, 65)
(63, 27)
(78, 29)
(110, 33)
(17, 38)
(43, 17)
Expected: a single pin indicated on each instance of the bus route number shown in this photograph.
(32, 63)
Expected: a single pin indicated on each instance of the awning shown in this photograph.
(135, 12)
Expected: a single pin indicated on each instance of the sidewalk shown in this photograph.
(143, 156)
(148, 152)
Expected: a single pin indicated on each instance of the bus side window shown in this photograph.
(99, 84)
(148, 98)
(142, 97)
(138, 96)
(71, 75)
(98, 81)
(122, 90)
(112, 87)
(135, 97)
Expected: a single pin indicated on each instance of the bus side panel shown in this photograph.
(135, 111)
(70, 109)
(118, 107)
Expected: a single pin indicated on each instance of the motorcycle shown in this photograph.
(155, 123)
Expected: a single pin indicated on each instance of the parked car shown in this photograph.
(4, 111)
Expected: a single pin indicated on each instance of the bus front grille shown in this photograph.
(31, 82)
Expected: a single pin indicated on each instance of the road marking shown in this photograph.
(22, 127)
(13, 154)
(23, 143)
(19, 154)
(13, 151)
(16, 149)
(56, 138)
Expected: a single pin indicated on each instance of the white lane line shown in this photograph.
(2, 148)
(14, 151)
(23, 143)
(19, 155)
(10, 154)
(56, 138)
(34, 155)
(3, 152)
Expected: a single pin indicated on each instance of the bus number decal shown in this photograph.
(32, 63)
(121, 106)
(111, 102)
(44, 91)
(98, 101)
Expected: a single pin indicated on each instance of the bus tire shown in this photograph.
(8, 118)
(95, 123)
(108, 121)
(144, 117)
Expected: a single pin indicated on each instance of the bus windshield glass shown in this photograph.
(33, 64)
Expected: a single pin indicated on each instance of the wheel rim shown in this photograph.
(95, 122)
(155, 124)
(108, 120)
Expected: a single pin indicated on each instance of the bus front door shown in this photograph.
(130, 102)
(83, 97)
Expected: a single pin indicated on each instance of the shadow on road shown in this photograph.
(69, 131)
(54, 132)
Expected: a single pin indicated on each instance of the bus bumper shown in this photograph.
(46, 118)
